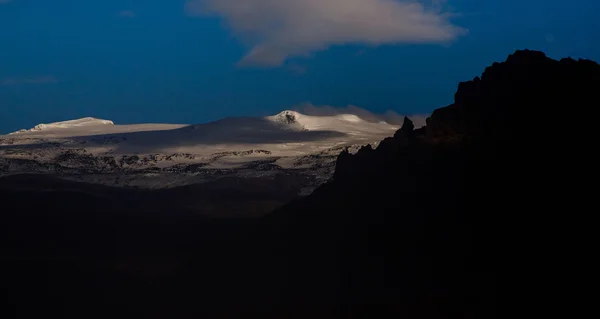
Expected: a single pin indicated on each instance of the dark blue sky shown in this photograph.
(154, 61)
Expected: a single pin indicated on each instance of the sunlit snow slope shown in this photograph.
(173, 154)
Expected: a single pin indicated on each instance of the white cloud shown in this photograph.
(17, 81)
(389, 116)
(279, 29)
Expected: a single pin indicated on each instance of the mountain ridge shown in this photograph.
(441, 213)
(285, 117)
(168, 155)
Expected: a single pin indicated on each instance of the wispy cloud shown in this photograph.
(35, 80)
(127, 14)
(279, 29)
(4, 1)
(390, 117)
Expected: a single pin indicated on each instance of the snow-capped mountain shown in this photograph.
(165, 155)
(86, 122)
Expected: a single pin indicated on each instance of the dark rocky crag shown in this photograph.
(427, 225)
(434, 216)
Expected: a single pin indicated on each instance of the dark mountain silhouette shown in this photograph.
(429, 216)
(427, 225)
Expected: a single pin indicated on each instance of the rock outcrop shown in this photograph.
(427, 213)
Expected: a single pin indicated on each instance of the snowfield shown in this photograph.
(167, 155)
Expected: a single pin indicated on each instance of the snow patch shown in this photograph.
(349, 117)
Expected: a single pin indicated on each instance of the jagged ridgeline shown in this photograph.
(436, 213)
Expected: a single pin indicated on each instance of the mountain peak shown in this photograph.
(287, 117)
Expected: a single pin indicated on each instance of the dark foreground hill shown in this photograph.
(436, 215)
(426, 225)
(224, 197)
